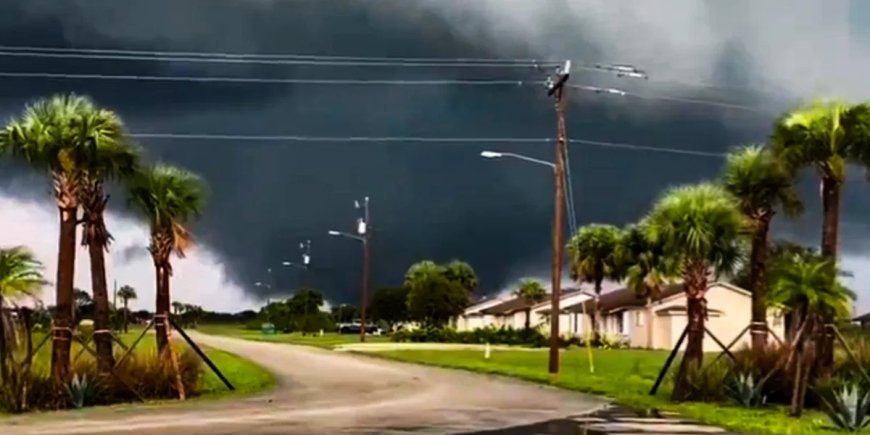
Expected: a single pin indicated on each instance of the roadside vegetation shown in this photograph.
(73, 353)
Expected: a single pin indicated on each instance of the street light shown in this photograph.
(363, 235)
(497, 154)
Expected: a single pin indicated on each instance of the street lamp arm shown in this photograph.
(347, 235)
(530, 159)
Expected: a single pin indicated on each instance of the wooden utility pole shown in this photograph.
(557, 90)
(364, 232)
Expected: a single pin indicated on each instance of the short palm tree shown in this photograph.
(647, 269)
(700, 227)
(763, 185)
(54, 134)
(126, 293)
(20, 276)
(594, 259)
(111, 157)
(169, 198)
(531, 292)
(824, 135)
(806, 285)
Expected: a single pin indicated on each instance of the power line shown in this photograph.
(275, 55)
(201, 79)
(417, 139)
(259, 61)
(336, 82)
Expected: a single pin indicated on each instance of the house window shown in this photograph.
(576, 318)
(638, 318)
(620, 324)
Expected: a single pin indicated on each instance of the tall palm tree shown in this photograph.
(532, 292)
(594, 259)
(699, 226)
(806, 285)
(647, 269)
(110, 157)
(126, 293)
(54, 135)
(462, 273)
(169, 198)
(20, 276)
(823, 135)
(763, 185)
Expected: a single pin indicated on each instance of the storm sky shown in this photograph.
(429, 201)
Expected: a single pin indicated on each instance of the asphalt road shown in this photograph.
(321, 391)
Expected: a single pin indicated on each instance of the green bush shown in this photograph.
(707, 383)
(504, 336)
(140, 375)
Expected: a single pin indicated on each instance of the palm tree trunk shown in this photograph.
(4, 352)
(649, 323)
(596, 313)
(696, 312)
(126, 321)
(528, 318)
(102, 333)
(830, 229)
(161, 312)
(63, 316)
(758, 278)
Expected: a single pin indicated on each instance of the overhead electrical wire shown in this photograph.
(417, 139)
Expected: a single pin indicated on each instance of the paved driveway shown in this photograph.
(331, 392)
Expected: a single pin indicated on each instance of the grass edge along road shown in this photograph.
(620, 377)
(329, 340)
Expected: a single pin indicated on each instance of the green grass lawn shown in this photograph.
(623, 375)
(329, 340)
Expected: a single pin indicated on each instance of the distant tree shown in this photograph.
(594, 259)
(84, 305)
(278, 314)
(461, 273)
(390, 305)
(344, 313)
(177, 308)
(532, 292)
(433, 298)
(306, 301)
(126, 293)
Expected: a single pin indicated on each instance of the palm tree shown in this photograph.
(111, 157)
(700, 227)
(55, 134)
(823, 135)
(462, 273)
(20, 275)
(169, 198)
(126, 293)
(647, 269)
(762, 186)
(806, 285)
(593, 259)
(532, 292)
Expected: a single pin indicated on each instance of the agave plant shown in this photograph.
(746, 390)
(81, 390)
(847, 407)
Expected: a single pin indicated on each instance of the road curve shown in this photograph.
(321, 391)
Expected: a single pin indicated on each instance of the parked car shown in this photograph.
(354, 328)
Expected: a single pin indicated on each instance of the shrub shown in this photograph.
(506, 336)
(707, 383)
(760, 364)
(847, 407)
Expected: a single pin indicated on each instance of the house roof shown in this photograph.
(621, 298)
(508, 307)
(862, 318)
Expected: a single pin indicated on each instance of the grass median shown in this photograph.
(625, 376)
(328, 340)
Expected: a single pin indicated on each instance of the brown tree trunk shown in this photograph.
(596, 313)
(803, 365)
(528, 318)
(102, 333)
(830, 242)
(161, 312)
(126, 321)
(4, 352)
(696, 312)
(758, 277)
(63, 316)
(649, 324)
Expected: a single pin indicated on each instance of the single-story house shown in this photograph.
(658, 323)
(862, 320)
(511, 313)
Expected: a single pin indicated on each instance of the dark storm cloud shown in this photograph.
(428, 201)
